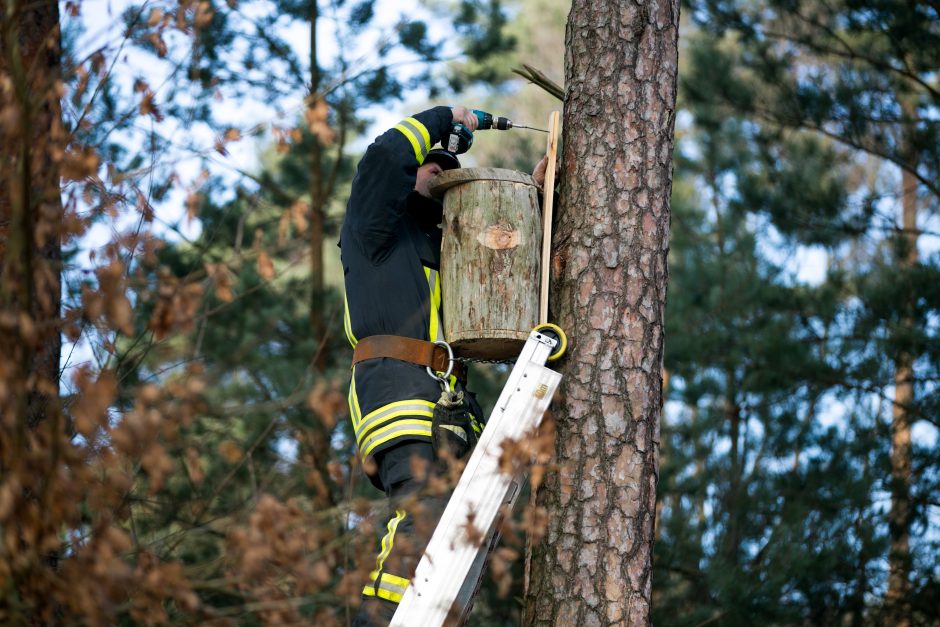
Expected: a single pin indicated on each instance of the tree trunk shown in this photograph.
(732, 540)
(594, 565)
(897, 598)
(30, 266)
(30, 217)
(489, 260)
(317, 219)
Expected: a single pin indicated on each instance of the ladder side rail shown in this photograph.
(482, 491)
(535, 350)
(448, 558)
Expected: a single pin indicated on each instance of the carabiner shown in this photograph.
(444, 379)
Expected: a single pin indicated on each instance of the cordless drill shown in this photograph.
(461, 138)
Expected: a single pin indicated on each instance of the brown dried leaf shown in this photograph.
(156, 40)
(194, 465)
(144, 206)
(317, 116)
(265, 266)
(298, 214)
(204, 15)
(282, 227)
(223, 279)
(157, 465)
(79, 163)
(149, 107)
(327, 401)
(230, 451)
(117, 308)
(193, 199)
(90, 410)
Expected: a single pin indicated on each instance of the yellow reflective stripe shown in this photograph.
(423, 130)
(388, 541)
(435, 332)
(385, 590)
(409, 132)
(355, 414)
(385, 585)
(386, 413)
(417, 134)
(394, 580)
(347, 323)
(397, 429)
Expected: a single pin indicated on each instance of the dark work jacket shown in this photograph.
(390, 248)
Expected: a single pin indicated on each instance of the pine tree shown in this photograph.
(594, 565)
(858, 76)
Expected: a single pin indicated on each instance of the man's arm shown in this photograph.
(387, 173)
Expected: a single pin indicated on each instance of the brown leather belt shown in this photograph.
(406, 349)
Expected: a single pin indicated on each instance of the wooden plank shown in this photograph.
(547, 206)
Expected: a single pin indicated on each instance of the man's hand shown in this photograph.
(465, 116)
(539, 172)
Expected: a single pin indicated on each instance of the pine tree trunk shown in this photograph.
(732, 540)
(316, 204)
(897, 598)
(30, 216)
(594, 565)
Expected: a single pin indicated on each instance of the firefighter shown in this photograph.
(390, 247)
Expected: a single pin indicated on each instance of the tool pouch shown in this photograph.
(452, 427)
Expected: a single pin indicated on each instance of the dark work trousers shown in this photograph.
(414, 513)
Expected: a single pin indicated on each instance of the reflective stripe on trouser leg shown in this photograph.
(404, 544)
(383, 585)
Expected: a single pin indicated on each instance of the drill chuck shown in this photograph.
(488, 121)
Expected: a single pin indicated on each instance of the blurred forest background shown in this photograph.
(195, 464)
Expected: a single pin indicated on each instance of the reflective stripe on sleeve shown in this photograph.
(417, 134)
(421, 129)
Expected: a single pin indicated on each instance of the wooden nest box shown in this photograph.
(489, 260)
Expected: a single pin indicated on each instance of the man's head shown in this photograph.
(436, 162)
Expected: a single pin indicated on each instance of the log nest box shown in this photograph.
(489, 260)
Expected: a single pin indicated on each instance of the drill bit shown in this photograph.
(531, 128)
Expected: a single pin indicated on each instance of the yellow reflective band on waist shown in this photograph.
(397, 429)
(386, 413)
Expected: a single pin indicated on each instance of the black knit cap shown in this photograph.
(446, 159)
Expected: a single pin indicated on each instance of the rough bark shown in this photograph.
(30, 215)
(31, 420)
(611, 242)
